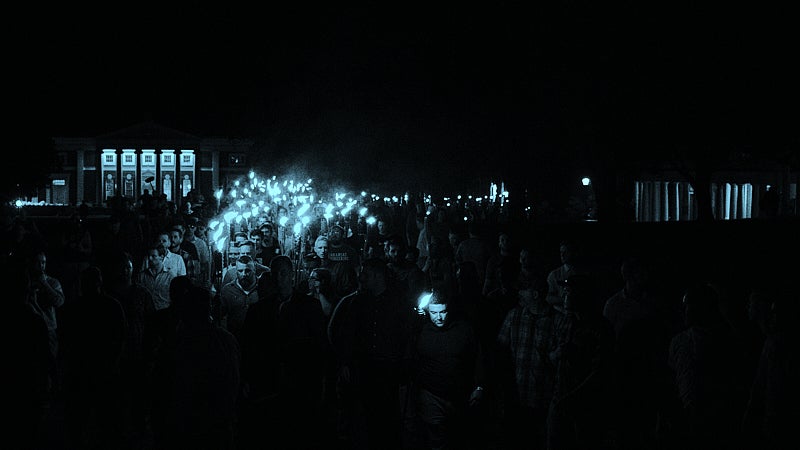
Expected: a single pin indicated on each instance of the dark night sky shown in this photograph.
(481, 90)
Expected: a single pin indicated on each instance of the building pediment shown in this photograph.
(147, 132)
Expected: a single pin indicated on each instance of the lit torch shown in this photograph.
(423, 302)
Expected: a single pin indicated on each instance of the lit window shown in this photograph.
(168, 159)
(109, 158)
(148, 159)
(128, 159)
(187, 158)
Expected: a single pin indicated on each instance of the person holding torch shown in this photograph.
(449, 375)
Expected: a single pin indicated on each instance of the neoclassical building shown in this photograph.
(144, 157)
(148, 156)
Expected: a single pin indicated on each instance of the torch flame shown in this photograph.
(424, 299)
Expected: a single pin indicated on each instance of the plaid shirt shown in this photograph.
(158, 286)
(528, 337)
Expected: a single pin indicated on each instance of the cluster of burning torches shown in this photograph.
(251, 200)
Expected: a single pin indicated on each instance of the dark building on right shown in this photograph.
(735, 193)
(733, 188)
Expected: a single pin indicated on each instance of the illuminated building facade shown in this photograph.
(144, 157)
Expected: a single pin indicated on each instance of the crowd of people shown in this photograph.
(434, 329)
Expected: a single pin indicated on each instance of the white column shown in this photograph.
(128, 176)
(148, 169)
(747, 201)
(168, 174)
(727, 203)
(109, 175)
(187, 174)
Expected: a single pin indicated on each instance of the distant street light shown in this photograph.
(586, 181)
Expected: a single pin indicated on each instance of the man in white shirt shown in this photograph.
(173, 262)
